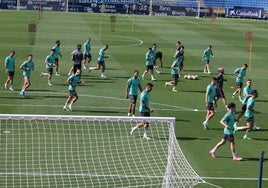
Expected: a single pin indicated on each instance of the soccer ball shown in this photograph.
(188, 77)
(185, 77)
(195, 77)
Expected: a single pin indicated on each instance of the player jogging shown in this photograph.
(149, 64)
(240, 74)
(219, 88)
(86, 53)
(249, 114)
(247, 93)
(73, 81)
(50, 63)
(133, 84)
(175, 67)
(227, 121)
(10, 70)
(206, 58)
(27, 66)
(57, 54)
(101, 62)
(157, 54)
(209, 99)
(145, 110)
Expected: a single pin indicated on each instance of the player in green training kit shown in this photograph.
(10, 70)
(206, 57)
(249, 114)
(156, 55)
(145, 110)
(27, 67)
(57, 54)
(149, 57)
(240, 74)
(247, 93)
(209, 99)
(101, 60)
(133, 84)
(73, 81)
(50, 63)
(227, 121)
(86, 53)
(175, 67)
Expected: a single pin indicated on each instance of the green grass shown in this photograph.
(106, 97)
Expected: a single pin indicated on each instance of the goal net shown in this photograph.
(87, 151)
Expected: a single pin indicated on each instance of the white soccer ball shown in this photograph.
(188, 77)
(185, 77)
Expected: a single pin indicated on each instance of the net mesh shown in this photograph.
(79, 151)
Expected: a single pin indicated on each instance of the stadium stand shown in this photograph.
(232, 3)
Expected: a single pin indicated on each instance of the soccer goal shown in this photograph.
(88, 151)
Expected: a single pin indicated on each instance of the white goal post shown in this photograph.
(91, 151)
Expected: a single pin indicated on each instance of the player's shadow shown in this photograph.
(97, 112)
(191, 138)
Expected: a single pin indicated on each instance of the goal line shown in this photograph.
(91, 151)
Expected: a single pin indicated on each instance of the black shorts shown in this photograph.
(210, 106)
(73, 93)
(220, 93)
(249, 119)
(88, 55)
(243, 108)
(149, 67)
(239, 84)
(228, 137)
(158, 55)
(10, 73)
(101, 62)
(56, 60)
(207, 61)
(175, 76)
(50, 70)
(145, 114)
(133, 98)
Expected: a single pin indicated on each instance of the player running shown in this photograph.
(227, 121)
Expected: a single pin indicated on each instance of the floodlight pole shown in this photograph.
(151, 8)
(67, 5)
(18, 4)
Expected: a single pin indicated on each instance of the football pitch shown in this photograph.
(127, 47)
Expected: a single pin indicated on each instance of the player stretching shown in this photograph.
(206, 57)
(249, 114)
(10, 69)
(227, 121)
(50, 63)
(27, 67)
(133, 84)
(145, 110)
(240, 73)
(101, 62)
(73, 81)
(209, 99)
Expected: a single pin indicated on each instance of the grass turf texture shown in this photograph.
(128, 45)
